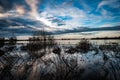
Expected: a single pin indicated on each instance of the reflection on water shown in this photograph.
(98, 42)
(92, 41)
(85, 60)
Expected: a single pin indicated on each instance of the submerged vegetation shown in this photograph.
(43, 59)
(40, 43)
(83, 46)
(2, 42)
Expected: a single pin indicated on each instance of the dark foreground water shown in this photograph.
(100, 62)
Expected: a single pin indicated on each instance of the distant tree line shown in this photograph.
(10, 41)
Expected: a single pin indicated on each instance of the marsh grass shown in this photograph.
(83, 46)
(54, 65)
(39, 43)
(2, 42)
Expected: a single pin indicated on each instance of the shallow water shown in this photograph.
(91, 63)
(92, 41)
(62, 42)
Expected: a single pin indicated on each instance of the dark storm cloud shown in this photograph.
(58, 16)
(18, 26)
(6, 5)
(85, 29)
(14, 25)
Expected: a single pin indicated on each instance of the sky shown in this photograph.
(23, 17)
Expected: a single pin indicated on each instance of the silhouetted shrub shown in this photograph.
(23, 48)
(57, 50)
(12, 41)
(71, 50)
(2, 52)
(109, 47)
(34, 44)
(83, 46)
(2, 42)
(40, 41)
(6, 74)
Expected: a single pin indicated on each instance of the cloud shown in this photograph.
(16, 27)
(109, 24)
(108, 8)
(85, 6)
(22, 25)
(12, 8)
(5, 5)
(110, 3)
(1, 9)
(11, 13)
(34, 6)
(67, 11)
(55, 15)
(74, 14)
(20, 6)
(86, 29)
(4, 15)
(77, 17)
(34, 13)
(20, 9)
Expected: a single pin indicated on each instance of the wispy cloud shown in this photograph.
(16, 27)
(109, 24)
(20, 9)
(1, 9)
(42, 17)
(5, 5)
(34, 6)
(110, 3)
(60, 15)
(73, 13)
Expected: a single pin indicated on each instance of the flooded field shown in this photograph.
(73, 42)
(61, 60)
(98, 42)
